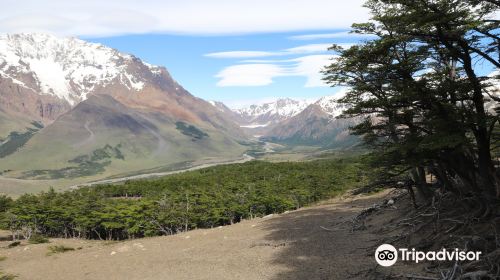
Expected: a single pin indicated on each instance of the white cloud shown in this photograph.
(249, 75)
(262, 74)
(92, 18)
(265, 61)
(241, 54)
(316, 48)
(344, 34)
(312, 48)
(310, 67)
(305, 49)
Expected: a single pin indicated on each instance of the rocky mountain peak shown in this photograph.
(330, 105)
(68, 68)
(277, 110)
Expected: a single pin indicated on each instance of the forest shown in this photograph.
(204, 198)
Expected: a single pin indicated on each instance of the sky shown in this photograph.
(236, 51)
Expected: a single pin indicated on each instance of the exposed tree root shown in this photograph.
(446, 221)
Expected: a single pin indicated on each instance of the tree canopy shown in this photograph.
(198, 199)
(427, 86)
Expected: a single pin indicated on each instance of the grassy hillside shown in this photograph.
(204, 198)
(101, 138)
(15, 140)
(9, 123)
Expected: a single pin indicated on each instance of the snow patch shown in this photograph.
(51, 77)
(255, 125)
(134, 82)
(17, 82)
(284, 108)
(330, 105)
(217, 105)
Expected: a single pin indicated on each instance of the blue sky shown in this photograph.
(235, 51)
(235, 68)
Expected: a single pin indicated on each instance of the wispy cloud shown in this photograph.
(249, 75)
(240, 54)
(261, 74)
(314, 48)
(299, 50)
(92, 18)
(310, 67)
(311, 48)
(336, 35)
(306, 61)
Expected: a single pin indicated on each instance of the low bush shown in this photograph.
(7, 276)
(14, 244)
(38, 239)
(56, 249)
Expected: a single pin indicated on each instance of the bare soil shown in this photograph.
(316, 242)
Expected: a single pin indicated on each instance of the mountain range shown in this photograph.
(295, 122)
(70, 108)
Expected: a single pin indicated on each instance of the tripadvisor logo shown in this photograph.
(387, 255)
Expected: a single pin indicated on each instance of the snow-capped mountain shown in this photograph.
(68, 68)
(330, 106)
(91, 98)
(316, 125)
(285, 107)
(492, 98)
(269, 113)
(297, 122)
(228, 112)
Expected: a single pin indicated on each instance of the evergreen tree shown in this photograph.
(421, 93)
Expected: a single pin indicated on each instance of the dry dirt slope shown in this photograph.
(294, 245)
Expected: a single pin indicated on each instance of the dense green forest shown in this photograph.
(198, 199)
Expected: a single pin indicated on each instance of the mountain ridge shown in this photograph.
(268, 113)
(68, 68)
(297, 122)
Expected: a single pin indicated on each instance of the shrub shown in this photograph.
(59, 249)
(14, 244)
(7, 276)
(38, 239)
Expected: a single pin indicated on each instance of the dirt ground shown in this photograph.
(311, 243)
